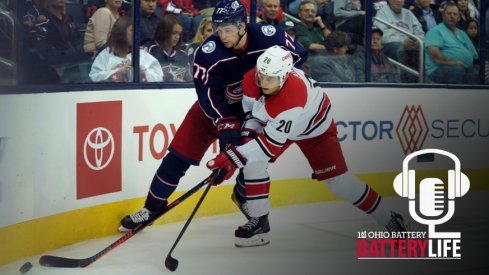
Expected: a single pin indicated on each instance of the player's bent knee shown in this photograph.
(172, 168)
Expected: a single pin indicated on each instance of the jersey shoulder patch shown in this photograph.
(211, 52)
(208, 47)
(268, 30)
(292, 95)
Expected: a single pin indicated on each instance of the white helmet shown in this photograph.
(275, 61)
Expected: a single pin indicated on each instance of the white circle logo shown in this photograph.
(209, 47)
(268, 30)
(98, 149)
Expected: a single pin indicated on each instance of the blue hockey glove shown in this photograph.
(229, 129)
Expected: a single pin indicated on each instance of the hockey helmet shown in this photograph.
(228, 11)
(274, 62)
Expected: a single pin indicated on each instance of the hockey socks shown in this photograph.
(360, 195)
(165, 181)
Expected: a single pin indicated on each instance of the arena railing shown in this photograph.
(17, 87)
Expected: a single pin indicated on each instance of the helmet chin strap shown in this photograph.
(240, 36)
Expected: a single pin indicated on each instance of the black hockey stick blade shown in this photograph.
(55, 261)
(170, 262)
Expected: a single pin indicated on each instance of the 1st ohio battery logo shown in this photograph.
(431, 202)
(412, 129)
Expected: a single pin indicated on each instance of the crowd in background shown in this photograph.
(77, 41)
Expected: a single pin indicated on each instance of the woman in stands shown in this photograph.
(99, 26)
(173, 60)
(114, 63)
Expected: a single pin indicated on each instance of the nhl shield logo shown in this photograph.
(268, 30)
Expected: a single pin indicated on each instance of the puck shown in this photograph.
(25, 267)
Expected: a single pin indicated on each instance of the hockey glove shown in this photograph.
(229, 129)
(227, 161)
(247, 135)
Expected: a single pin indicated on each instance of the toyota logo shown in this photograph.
(98, 149)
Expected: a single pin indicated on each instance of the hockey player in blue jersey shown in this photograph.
(219, 66)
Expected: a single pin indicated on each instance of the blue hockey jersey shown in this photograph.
(219, 71)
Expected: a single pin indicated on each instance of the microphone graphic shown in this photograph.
(432, 195)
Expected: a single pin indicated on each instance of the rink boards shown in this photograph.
(72, 164)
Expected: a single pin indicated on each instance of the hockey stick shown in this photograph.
(170, 262)
(55, 261)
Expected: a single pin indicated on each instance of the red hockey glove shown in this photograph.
(229, 129)
(227, 161)
(247, 135)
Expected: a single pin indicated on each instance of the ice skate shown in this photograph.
(253, 233)
(130, 222)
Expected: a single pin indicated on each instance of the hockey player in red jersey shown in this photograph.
(219, 66)
(283, 106)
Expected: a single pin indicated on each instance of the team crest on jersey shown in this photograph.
(268, 30)
(209, 47)
(234, 92)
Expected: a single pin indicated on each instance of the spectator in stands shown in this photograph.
(203, 31)
(270, 11)
(36, 69)
(149, 22)
(337, 66)
(382, 70)
(350, 18)
(325, 10)
(289, 27)
(62, 43)
(311, 31)
(99, 26)
(463, 8)
(188, 15)
(450, 54)
(293, 7)
(271, 14)
(428, 14)
(173, 61)
(397, 45)
(472, 6)
(33, 22)
(473, 32)
(394, 41)
(114, 63)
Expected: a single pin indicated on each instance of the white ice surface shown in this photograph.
(305, 239)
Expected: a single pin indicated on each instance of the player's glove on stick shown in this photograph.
(229, 129)
(228, 161)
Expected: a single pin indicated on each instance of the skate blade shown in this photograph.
(257, 240)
